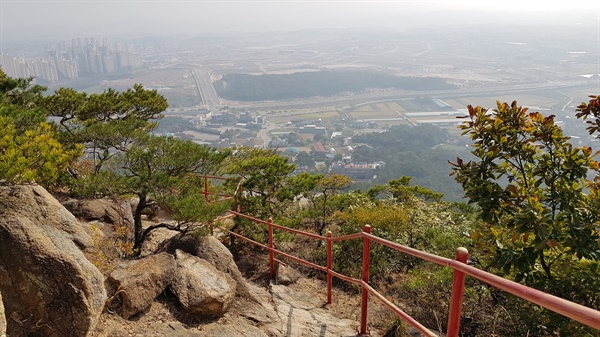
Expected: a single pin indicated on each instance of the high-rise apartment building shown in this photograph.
(74, 58)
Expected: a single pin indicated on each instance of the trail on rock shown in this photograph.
(296, 311)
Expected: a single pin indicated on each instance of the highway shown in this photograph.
(205, 88)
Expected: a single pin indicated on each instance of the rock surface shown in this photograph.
(295, 311)
(283, 311)
(156, 239)
(202, 289)
(213, 251)
(2, 319)
(48, 286)
(286, 275)
(105, 210)
(233, 329)
(138, 283)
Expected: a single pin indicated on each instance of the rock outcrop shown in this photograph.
(201, 289)
(104, 210)
(213, 251)
(139, 282)
(157, 238)
(283, 311)
(48, 286)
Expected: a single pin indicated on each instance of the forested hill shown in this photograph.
(416, 152)
(244, 87)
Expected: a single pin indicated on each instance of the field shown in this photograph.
(282, 118)
(380, 110)
(175, 84)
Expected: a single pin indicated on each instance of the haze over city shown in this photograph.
(41, 19)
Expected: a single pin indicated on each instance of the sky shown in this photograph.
(46, 18)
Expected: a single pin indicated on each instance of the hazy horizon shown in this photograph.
(53, 19)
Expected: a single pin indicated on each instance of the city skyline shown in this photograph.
(67, 60)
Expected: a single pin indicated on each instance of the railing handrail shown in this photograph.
(577, 312)
(283, 228)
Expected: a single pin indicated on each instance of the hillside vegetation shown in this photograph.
(245, 87)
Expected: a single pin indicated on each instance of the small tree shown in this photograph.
(30, 150)
(304, 159)
(328, 187)
(107, 123)
(161, 167)
(20, 92)
(264, 177)
(529, 183)
(33, 155)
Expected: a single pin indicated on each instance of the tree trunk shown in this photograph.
(137, 224)
(545, 266)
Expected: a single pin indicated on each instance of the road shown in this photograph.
(205, 87)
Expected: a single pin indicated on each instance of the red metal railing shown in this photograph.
(569, 309)
(577, 312)
(224, 197)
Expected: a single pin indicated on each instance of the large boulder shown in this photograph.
(118, 213)
(157, 238)
(213, 251)
(140, 282)
(48, 286)
(201, 289)
(2, 319)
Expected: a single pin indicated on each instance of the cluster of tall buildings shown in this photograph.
(73, 59)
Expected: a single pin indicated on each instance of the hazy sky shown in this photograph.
(69, 18)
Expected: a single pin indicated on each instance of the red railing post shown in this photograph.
(456, 299)
(271, 251)
(329, 265)
(206, 188)
(365, 279)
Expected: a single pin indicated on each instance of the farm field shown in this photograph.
(175, 84)
(380, 110)
(306, 115)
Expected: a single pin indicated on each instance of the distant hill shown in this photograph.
(244, 87)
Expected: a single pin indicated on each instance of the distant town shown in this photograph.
(69, 60)
(318, 132)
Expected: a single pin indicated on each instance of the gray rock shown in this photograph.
(2, 319)
(286, 275)
(105, 210)
(304, 315)
(201, 289)
(49, 288)
(213, 251)
(238, 328)
(157, 238)
(139, 282)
